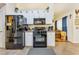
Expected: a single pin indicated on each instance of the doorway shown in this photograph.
(61, 30)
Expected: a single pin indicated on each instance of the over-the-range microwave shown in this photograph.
(39, 21)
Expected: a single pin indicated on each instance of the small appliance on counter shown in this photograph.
(50, 28)
(26, 28)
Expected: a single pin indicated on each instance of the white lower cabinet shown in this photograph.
(28, 38)
(50, 38)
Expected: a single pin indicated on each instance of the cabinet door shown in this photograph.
(41, 14)
(30, 18)
(36, 14)
(50, 39)
(48, 18)
(28, 39)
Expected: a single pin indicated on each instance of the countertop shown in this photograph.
(32, 31)
(51, 31)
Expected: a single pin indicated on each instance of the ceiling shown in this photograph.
(62, 8)
(31, 5)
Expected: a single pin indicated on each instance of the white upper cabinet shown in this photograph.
(29, 17)
(41, 13)
(48, 18)
(36, 13)
(31, 14)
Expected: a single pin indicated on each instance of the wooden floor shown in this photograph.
(61, 48)
(66, 48)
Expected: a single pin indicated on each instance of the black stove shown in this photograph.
(40, 37)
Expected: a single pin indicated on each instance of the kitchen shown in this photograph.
(35, 27)
(32, 27)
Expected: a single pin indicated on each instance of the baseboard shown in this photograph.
(3, 48)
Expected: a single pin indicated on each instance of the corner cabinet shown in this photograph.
(50, 38)
(28, 38)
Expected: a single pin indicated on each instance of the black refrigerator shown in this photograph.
(15, 36)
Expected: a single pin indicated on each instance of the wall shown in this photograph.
(73, 33)
(10, 7)
(76, 28)
(70, 27)
(2, 27)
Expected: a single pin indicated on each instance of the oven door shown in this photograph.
(39, 38)
(40, 41)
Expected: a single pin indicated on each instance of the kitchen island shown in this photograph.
(29, 38)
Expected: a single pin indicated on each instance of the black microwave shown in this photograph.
(39, 21)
